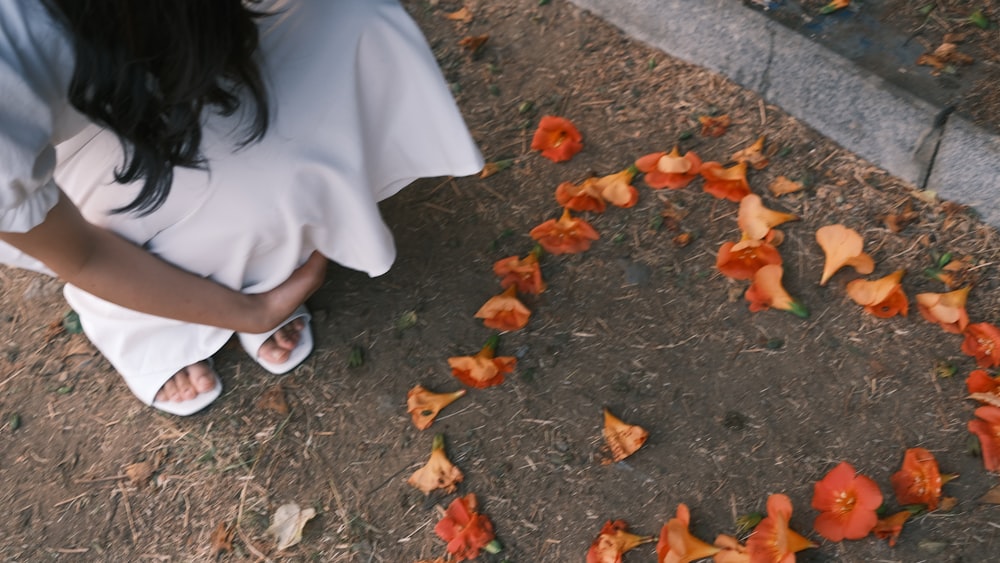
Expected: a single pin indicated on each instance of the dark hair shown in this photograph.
(146, 69)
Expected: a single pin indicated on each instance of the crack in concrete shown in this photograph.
(765, 79)
(927, 148)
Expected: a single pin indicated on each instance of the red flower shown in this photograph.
(987, 428)
(982, 341)
(617, 188)
(741, 260)
(557, 138)
(676, 543)
(772, 540)
(482, 370)
(567, 235)
(585, 196)
(883, 297)
(525, 274)
(983, 388)
(465, 530)
(662, 170)
(726, 183)
(847, 503)
(612, 542)
(504, 311)
(919, 481)
(767, 292)
(945, 309)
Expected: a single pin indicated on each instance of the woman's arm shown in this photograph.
(112, 268)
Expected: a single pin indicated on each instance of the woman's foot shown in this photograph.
(280, 351)
(188, 383)
(279, 346)
(199, 378)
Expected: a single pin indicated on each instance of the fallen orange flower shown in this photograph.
(982, 341)
(725, 183)
(732, 550)
(466, 531)
(557, 138)
(714, 126)
(504, 311)
(526, 274)
(847, 503)
(585, 196)
(617, 188)
(947, 310)
(424, 405)
(661, 170)
(983, 388)
(919, 481)
(438, 472)
(677, 545)
(622, 439)
(740, 261)
(883, 297)
(567, 235)
(482, 370)
(772, 540)
(986, 427)
(756, 221)
(843, 247)
(833, 6)
(612, 542)
(766, 292)
(753, 155)
(890, 527)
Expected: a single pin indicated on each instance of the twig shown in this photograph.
(68, 501)
(128, 513)
(100, 479)
(246, 483)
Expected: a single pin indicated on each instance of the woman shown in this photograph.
(188, 166)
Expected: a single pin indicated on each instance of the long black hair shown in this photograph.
(146, 69)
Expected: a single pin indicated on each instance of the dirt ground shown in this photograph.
(739, 405)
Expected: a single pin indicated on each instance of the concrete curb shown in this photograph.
(907, 136)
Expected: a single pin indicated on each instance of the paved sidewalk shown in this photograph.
(909, 137)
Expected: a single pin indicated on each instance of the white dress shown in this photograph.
(359, 110)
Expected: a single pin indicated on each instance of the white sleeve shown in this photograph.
(27, 157)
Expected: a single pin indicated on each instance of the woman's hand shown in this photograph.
(274, 306)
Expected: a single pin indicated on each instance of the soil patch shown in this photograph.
(738, 405)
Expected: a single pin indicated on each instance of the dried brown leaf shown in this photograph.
(474, 43)
(463, 15)
(781, 186)
(947, 504)
(992, 496)
(274, 400)
(672, 216)
(222, 538)
(682, 240)
(139, 473)
(287, 523)
(714, 126)
(896, 222)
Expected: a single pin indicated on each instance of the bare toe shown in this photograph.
(187, 383)
(282, 342)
